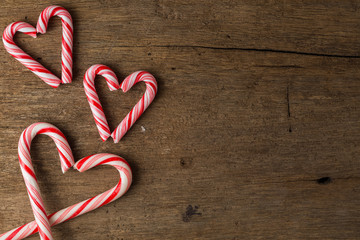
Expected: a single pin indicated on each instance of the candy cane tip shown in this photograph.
(113, 89)
(76, 167)
(65, 169)
(104, 138)
(56, 85)
(39, 29)
(123, 89)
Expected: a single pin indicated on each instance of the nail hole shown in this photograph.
(186, 162)
(324, 180)
(182, 162)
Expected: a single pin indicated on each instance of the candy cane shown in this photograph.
(21, 56)
(93, 98)
(67, 37)
(85, 206)
(66, 159)
(131, 80)
(141, 106)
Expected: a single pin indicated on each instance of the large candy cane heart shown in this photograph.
(85, 206)
(110, 77)
(66, 159)
(67, 42)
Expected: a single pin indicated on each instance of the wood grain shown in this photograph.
(254, 133)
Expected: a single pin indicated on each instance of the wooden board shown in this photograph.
(254, 133)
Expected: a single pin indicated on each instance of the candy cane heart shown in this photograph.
(66, 160)
(112, 81)
(33, 65)
(88, 205)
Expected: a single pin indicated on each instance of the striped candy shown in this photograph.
(93, 98)
(67, 45)
(85, 206)
(110, 77)
(66, 159)
(141, 106)
(24, 58)
(67, 37)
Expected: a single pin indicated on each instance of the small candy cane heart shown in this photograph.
(85, 206)
(34, 66)
(131, 80)
(66, 159)
(67, 37)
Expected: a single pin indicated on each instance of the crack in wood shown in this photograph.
(324, 179)
(279, 66)
(288, 102)
(288, 106)
(245, 49)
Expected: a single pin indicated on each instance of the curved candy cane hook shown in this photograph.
(93, 98)
(67, 37)
(66, 159)
(141, 106)
(85, 206)
(34, 66)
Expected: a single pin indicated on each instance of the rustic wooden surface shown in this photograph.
(254, 133)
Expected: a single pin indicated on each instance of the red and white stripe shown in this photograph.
(67, 37)
(21, 56)
(85, 206)
(112, 81)
(141, 106)
(93, 98)
(66, 160)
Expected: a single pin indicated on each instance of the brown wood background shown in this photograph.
(254, 133)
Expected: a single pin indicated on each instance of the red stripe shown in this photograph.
(11, 236)
(27, 169)
(77, 212)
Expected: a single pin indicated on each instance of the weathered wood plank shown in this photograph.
(320, 27)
